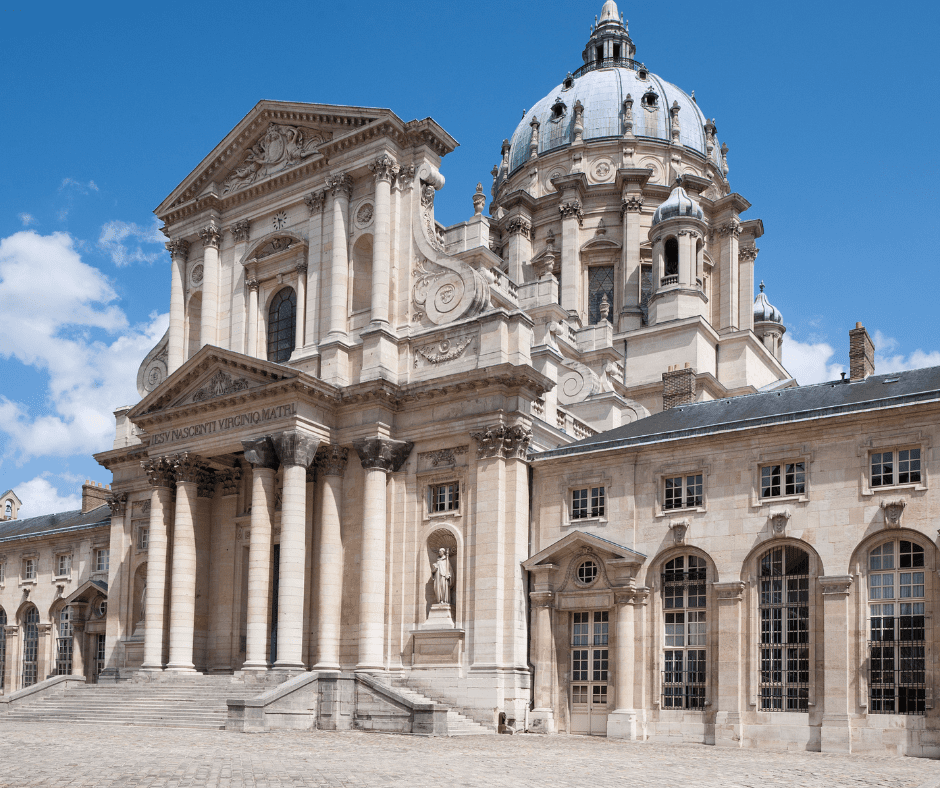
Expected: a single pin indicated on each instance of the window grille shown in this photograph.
(885, 472)
(588, 502)
(646, 291)
(63, 652)
(684, 657)
(600, 284)
(282, 325)
(784, 479)
(784, 630)
(30, 647)
(3, 645)
(897, 650)
(682, 492)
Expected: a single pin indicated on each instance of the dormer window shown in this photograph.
(568, 83)
(559, 108)
(642, 74)
(650, 100)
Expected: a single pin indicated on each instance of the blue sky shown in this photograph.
(827, 110)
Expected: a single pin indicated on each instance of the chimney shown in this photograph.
(861, 353)
(678, 386)
(94, 495)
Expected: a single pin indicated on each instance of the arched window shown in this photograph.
(897, 611)
(63, 643)
(8, 509)
(361, 290)
(784, 629)
(671, 262)
(685, 652)
(3, 646)
(30, 646)
(282, 324)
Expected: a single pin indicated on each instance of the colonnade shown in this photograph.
(293, 452)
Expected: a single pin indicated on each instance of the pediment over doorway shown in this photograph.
(576, 541)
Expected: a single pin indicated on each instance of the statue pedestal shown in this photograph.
(437, 643)
(439, 618)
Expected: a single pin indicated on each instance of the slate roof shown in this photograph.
(49, 524)
(801, 403)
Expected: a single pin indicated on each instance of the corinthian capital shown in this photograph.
(189, 467)
(340, 185)
(520, 225)
(747, 254)
(572, 208)
(178, 247)
(260, 453)
(503, 441)
(239, 230)
(384, 168)
(631, 204)
(229, 479)
(382, 453)
(160, 472)
(332, 459)
(211, 235)
(314, 201)
(118, 504)
(294, 447)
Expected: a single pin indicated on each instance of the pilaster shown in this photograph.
(160, 473)
(836, 733)
(331, 463)
(176, 353)
(729, 689)
(211, 236)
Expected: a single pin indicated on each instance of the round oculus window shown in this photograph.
(587, 573)
(101, 608)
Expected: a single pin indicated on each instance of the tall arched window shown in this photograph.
(3, 646)
(30, 646)
(684, 655)
(897, 650)
(671, 262)
(784, 629)
(63, 643)
(282, 324)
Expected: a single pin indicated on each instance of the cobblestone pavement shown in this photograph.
(104, 756)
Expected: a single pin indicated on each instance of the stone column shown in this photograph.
(542, 602)
(296, 451)
(729, 665)
(240, 231)
(260, 453)
(746, 257)
(331, 463)
(176, 353)
(10, 632)
(222, 575)
(519, 249)
(729, 233)
(631, 208)
(189, 470)
(251, 316)
(301, 304)
(384, 168)
(44, 657)
(571, 218)
(379, 457)
(621, 723)
(314, 202)
(161, 474)
(78, 640)
(211, 236)
(341, 186)
(202, 531)
(119, 623)
(836, 722)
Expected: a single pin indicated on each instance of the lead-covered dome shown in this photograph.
(764, 311)
(678, 203)
(609, 75)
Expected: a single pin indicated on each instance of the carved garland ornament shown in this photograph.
(444, 350)
(446, 457)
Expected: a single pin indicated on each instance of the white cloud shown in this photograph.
(117, 239)
(70, 188)
(810, 362)
(26, 218)
(39, 496)
(887, 360)
(49, 328)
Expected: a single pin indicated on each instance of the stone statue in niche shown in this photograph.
(443, 577)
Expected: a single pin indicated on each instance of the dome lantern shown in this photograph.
(610, 41)
(678, 203)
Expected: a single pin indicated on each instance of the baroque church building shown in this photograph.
(544, 467)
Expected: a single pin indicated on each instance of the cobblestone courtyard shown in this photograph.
(106, 756)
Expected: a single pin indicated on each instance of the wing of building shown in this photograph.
(545, 463)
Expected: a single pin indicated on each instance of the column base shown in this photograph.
(541, 721)
(257, 666)
(366, 668)
(836, 733)
(729, 731)
(622, 724)
(152, 667)
(326, 666)
(180, 667)
(293, 666)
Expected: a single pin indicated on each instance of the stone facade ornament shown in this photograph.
(315, 201)
(836, 585)
(479, 200)
(893, 509)
(251, 284)
(406, 175)
(280, 148)
(542, 598)
(747, 254)
(294, 447)
(445, 350)
(383, 453)
(519, 225)
(447, 290)
(178, 247)
(578, 125)
(188, 467)
(631, 204)
(340, 184)
(239, 231)
(732, 591)
(710, 130)
(503, 441)
(229, 479)
(628, 116)
(732, 228)
(118, 504)
(211, 236)
(364, 215)
(442, 575)
(572, 208)
(674, 118)
(332, 459)
(679, 529)
(384, 168)
(260, 453)
(778, 521)
(220, 384)
(206, 483)
(443, 457)
(160, 471)
(534, 139)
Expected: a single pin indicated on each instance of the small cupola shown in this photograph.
(764, 311)
(678, 203)
(9, 506)
(768, 324)
(610, 43)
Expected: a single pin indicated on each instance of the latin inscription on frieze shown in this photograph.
(223, 424)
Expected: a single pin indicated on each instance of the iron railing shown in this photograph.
(609, 62)
(683, 689)
(897, 677)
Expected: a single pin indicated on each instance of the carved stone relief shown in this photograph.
(443, 351)
(280, 148)
(364, 215)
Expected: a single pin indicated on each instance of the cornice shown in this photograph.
(733, 201)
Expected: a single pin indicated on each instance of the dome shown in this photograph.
(764, 311)
(678, 203)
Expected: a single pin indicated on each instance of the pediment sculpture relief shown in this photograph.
(280, 148)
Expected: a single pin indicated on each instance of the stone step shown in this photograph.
(457, 723)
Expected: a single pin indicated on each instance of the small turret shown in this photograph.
(768, 324)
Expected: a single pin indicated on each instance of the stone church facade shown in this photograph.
(491, 460)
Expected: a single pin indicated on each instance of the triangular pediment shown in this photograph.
(576, 540)
(88, 591)
(212, 373)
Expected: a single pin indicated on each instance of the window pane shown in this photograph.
(673, 493)
(282, 325)
(770, 481)
(693, 491)
(600, 290)
(882, 468)
(597, 502)
(579, 504)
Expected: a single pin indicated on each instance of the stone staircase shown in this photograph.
(457, 723)
(186, 702)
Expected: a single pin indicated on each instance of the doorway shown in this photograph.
(590, 659)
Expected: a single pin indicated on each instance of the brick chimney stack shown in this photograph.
(94, 494)
(678, 386)
(861, 353)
